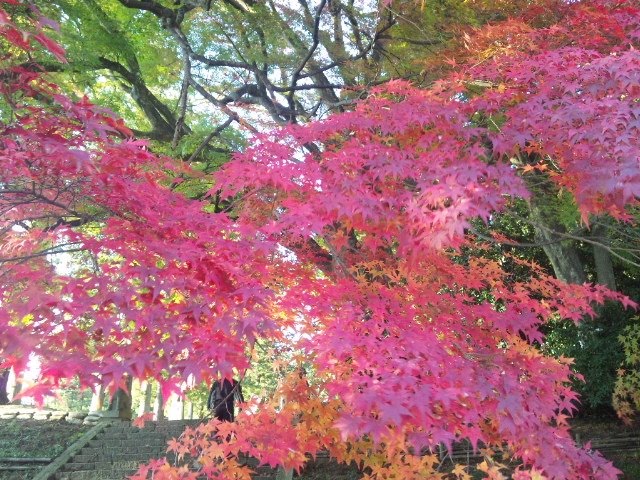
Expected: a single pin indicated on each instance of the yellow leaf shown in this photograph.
(461, 472)
(536, 475)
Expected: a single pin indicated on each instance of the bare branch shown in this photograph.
(352, 58)
(210, 137)
(150, 6)
(186, 79)
(230, 113)
(355, 27)
(48, 251)
(312, 49)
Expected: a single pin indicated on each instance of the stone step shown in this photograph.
(120, 449)
(173, 425)
(98, 451)
(135, 434)
(134, 431)
(103, 465)
(79, 464)
(109, 475)
(122, 473)
(142, 453)
(94, 475)
(124, 444)
(109, 432)
(133, 437)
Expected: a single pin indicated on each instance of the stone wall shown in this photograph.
(23, 412)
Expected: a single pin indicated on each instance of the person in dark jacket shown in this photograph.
(222, 398)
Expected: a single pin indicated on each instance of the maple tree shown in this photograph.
(412, 345)
(126, 58)
(222, 62)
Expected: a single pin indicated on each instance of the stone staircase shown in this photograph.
(119, 449)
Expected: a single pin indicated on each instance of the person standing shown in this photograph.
(222, 398)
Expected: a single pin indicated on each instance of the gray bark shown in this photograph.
(97, 399)
(17, 388)
(602, 258)
(4, 381)
(159, 407)
(121, 401)
(563, 256)
(284, 474)
(162, 120)
(145, 405)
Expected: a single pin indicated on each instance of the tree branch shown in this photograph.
(303, 63)
(186, 79)
(42, 253)
(210, 137)
(352, 58)
(230, 113)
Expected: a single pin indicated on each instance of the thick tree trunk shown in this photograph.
(161, 117)
(159, 407)
(17, 388)
(145, 404)
(97, 399)
(4, 382)
(602, 258)
(284, 474)
(564, 258)
(121, 401)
